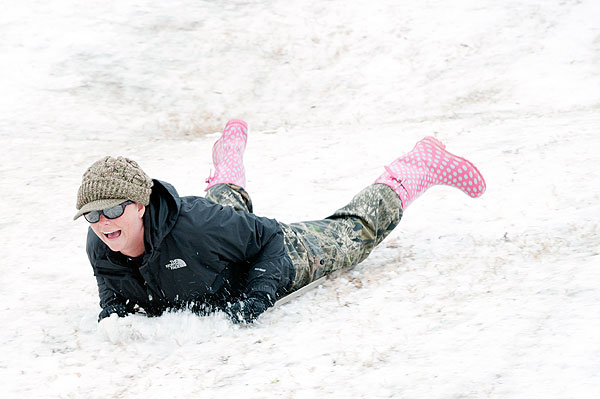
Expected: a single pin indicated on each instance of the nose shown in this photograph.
(104, 219)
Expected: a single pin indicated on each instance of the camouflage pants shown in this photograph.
(339, 241)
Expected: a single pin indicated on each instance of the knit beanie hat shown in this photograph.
(111, 181)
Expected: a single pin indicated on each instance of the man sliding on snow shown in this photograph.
(152, 249)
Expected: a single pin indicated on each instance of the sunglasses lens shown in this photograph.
(114, 212)
(92, 217)
(110, 213)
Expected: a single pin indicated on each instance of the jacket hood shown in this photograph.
(161, 214)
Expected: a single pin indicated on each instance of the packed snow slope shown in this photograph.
(495, 297)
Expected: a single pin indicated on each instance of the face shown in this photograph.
(124, 234)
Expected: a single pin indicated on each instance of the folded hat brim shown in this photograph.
(99, 205)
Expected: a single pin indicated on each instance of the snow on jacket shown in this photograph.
(198, 254)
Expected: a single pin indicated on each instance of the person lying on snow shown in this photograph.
(151, 249)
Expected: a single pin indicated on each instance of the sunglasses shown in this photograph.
(110, 213)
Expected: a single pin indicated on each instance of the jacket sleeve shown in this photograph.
(107, 296)
(243, 237)
(111, 303)
(272, 270)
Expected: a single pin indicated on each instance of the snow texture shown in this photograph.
(496, 297)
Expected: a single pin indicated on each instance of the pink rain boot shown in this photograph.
(228, 155)
(429, 164)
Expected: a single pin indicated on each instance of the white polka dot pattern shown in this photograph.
(429, 164)
(228, 155)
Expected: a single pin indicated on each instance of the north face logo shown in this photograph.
(175, 264)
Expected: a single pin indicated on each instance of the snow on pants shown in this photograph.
(339, 241)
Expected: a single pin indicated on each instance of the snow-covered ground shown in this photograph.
(496, 297)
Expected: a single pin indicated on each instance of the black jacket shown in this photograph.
(198, 254)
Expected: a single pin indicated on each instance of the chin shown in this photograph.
(114, 246)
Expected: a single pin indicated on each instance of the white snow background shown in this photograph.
(496, 297)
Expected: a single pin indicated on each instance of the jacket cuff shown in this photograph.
(265, 297)
(263, 286)
(119, 309)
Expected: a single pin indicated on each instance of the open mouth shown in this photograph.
(112, 235)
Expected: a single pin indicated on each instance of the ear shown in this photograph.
(141, 209)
